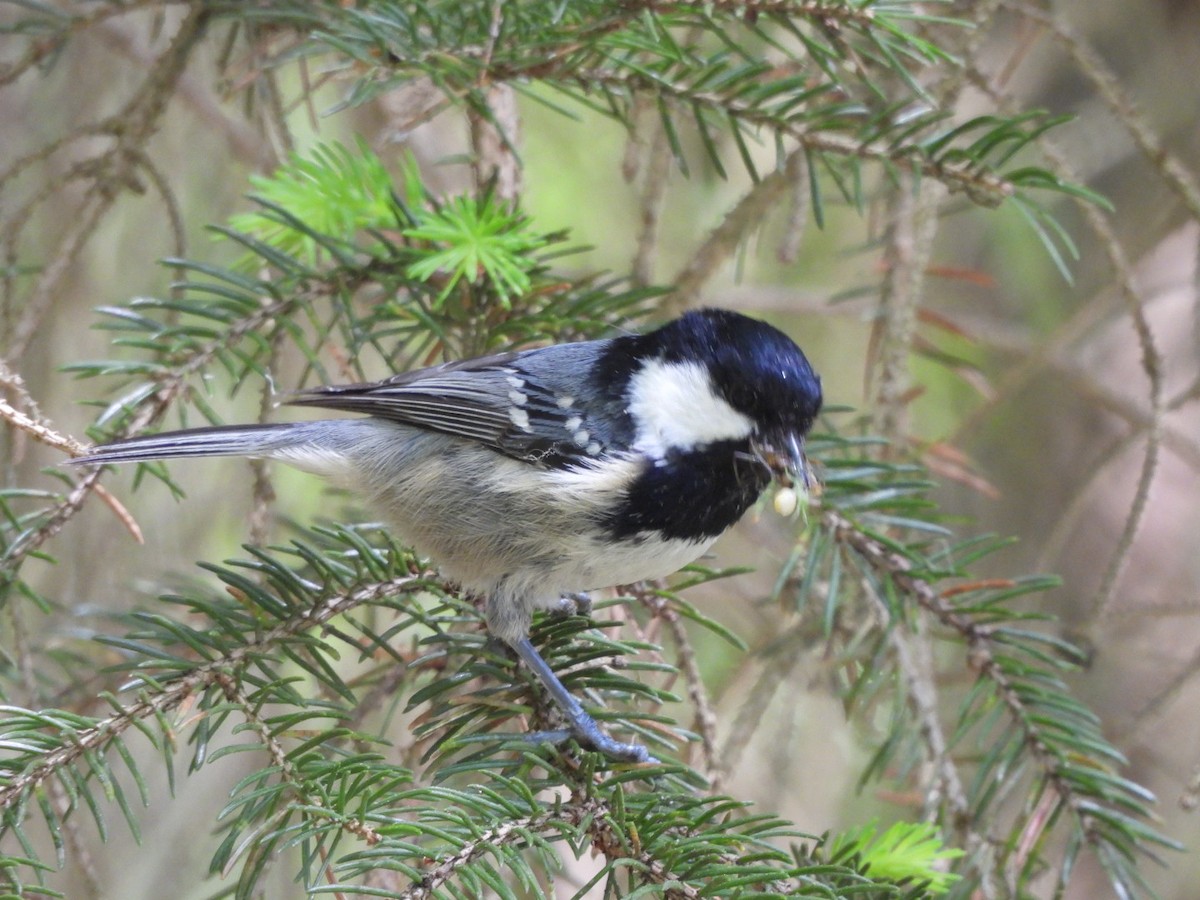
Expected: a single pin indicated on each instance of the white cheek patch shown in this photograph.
(675, 407)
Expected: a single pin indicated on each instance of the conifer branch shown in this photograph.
(353, 264)
(156, 702)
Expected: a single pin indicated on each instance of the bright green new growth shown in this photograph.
(333, 191)
(340, 195)
(907, 851)
(474, 238)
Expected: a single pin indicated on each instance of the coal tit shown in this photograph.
(529, 475)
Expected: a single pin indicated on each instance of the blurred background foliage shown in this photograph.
(795, 161)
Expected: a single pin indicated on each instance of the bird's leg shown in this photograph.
(580, 725)
(573, 604)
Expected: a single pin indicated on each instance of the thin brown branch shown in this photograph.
(41, 431)
(244, 141)
(981, 651)
(171, 387)
(509, 832)
(53, 523)
(909, 244)
(605, 839)
(78, 232)
(561, 63)
(1162, 698)
(980, 185)
(913, 658)
(160, 402)
(43, 153)
(287, 770)
(705, 716)
(653, 198)
(38, 429)
(81, 855)
(983, 187)
(14, 230)
(113, 173)
(495, 125)
(721, 243)
(1152, 365)
(70, 22)
(1152, 361)
(913, 655)
(799, 200)
(1049, 358)
(148, 167)
(275, 116)
(495, 134)
(824, 13)
(263, 491)
(1108, 88)
(776, 673)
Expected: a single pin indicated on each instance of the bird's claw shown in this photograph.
(598, 741)
(574, 604)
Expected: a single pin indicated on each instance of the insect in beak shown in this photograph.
(783, 455)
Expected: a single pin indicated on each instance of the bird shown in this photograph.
(533, 475)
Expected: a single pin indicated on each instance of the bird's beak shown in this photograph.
(784, 456)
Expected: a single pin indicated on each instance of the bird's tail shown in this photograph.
(220, 440)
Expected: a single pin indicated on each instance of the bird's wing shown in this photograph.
(494, 400)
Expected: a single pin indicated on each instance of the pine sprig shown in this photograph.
(328, 195)
(78, 737)
(349, 811)
(875, 522)
(468, 239)
(330, 200)
(824, 75)
(906, 851)
(226, 318)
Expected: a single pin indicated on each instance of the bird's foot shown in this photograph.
(595, 739)
(580, 725)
